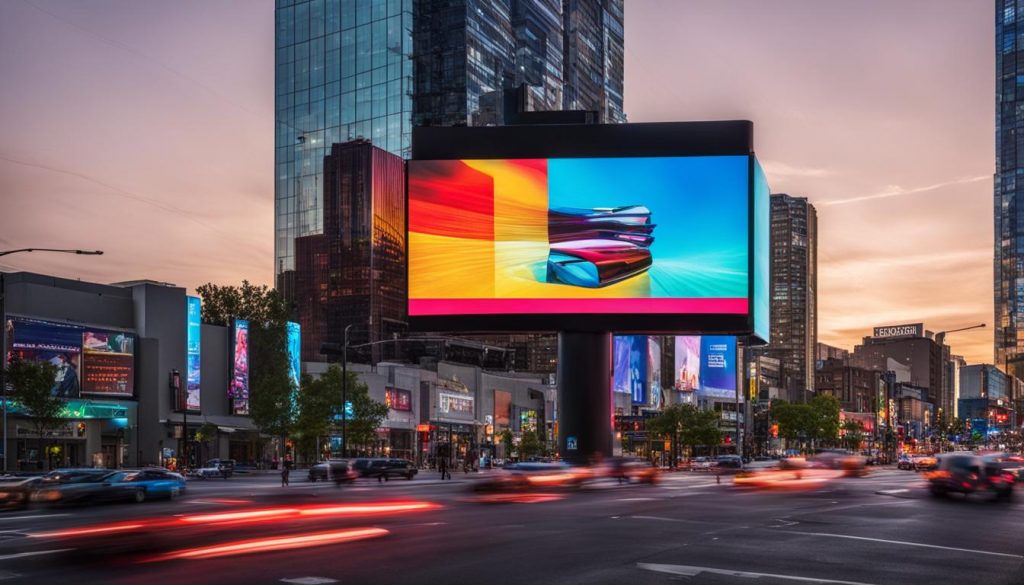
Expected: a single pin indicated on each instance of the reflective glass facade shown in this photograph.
(594, 57)
(343, 72)
(1009, 185)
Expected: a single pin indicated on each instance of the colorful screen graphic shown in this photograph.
(762, 247)
(88, 360)
(630, 369)
(585, 236)
(398, 399)
(654, 371)
(193, 328)
(238, 391)
(706, 365)
(294, 353)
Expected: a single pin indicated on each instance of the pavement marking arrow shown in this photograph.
(691, 571)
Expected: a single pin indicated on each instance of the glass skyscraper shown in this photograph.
(343, 72)
(1009, 211)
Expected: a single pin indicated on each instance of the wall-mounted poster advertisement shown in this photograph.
(193, 328)
(630, 369)
(706, 365)
(687, 363)
(88, 360)
(398, 399)
(238, 391)
(454, 403)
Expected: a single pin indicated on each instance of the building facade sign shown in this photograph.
(909, 330)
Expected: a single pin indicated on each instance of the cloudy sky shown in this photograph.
(145, 128)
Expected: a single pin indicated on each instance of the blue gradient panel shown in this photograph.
(630, 369)
(762, 249)
(718, 366)
(294, 353)
(698, 204)
(193, 354)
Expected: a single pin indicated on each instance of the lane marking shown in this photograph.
(310, 580)
(692, 571)
(634, 499)
(892, 492)
(33, 517)
(905, 543)
(34, 553)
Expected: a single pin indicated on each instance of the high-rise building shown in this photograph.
(343, 71)
(914, 357)
(351, 70)
(594, 57)
(1009, 196)
(794, 294)
(354, 272)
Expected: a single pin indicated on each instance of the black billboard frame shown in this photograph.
(657, 139)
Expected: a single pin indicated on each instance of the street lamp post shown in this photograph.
(3, 329)
(344, 394)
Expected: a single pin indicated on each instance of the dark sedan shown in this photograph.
(968, 474)
(338, 471)
(384, 469)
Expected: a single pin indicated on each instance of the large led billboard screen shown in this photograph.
(89, 360)
(581, 236)
(238, 389)
(193, 356)
(706, 365)
(294, 352)
(762, 249)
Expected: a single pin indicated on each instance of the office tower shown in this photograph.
(343, 71)
(1009, 224)
(354, 272)
(594, 57)
(794, 294)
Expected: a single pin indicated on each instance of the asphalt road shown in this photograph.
(881, 529)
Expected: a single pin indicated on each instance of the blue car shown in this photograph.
(154, 483)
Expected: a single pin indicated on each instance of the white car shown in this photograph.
(209, 472)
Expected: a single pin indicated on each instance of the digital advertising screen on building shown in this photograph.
(88, 360)
(294, 341)
(193, 356)
(238, 386)
(706, 365)
(645, 240)
(398, 399)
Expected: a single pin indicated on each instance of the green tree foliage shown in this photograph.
(271, 391)
(508, 440)
(685, 425)
(367, 414)
(816, 421)
(853, 434)
(31, 384)
(530, 445)
(316, 404)
(206, 435)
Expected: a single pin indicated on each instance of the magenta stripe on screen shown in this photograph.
(429, 307)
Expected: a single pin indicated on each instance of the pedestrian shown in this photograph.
(442, 466)
(284, 475)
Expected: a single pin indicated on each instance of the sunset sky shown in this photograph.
(145, 128)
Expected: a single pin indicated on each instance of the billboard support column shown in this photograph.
(584, 395)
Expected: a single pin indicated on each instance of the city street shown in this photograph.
(880, 529)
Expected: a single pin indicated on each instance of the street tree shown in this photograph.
(31, 389)
(206, 435)
(823, 418)
(853, 434)
(793, 420)
(530, 445)
(271, 390)
(685, 425)
(316, 406)
(367, 414)
(508, 440)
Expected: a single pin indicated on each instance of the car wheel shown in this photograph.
(140, 496)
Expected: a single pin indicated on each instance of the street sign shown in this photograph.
(570, 443)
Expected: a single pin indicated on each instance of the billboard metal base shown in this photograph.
(584, 395)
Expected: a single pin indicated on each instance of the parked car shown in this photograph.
(15, 491)
(227, 466)
(337, 470)
(149, 483)
(388, 468)
(85, 486)
(968, 474)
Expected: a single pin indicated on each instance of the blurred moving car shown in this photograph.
(80, 486)
(851, 464)
(925, 462)
(1009, 463)
(905, 462)
(149, 483)
(628, 469)
(388, 468)
(337, 470)
(212, 470)
(16, 491)
(967, 474)
(729, 463)
(361, 465)
(525, 476)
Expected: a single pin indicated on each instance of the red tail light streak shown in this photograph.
(272, 544)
